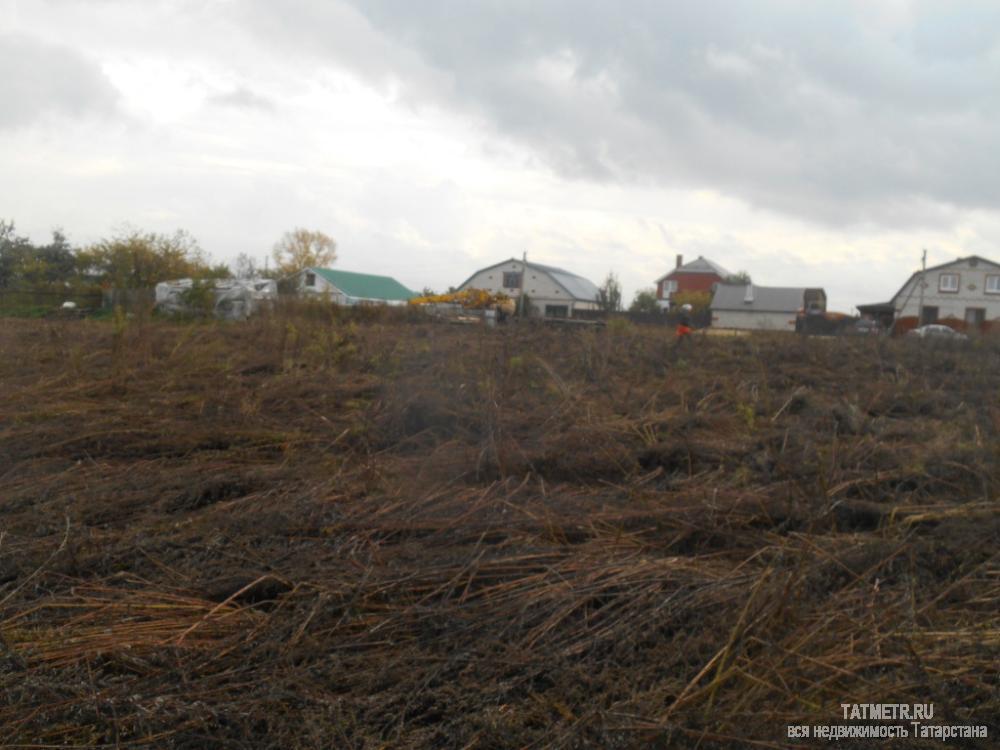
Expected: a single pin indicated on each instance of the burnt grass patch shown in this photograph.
(368, 531)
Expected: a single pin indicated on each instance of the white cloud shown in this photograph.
(729, 63)
(429, 139)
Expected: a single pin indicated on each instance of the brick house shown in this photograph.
(700, 275)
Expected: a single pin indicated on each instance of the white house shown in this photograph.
(348, 287)
(964, 291)
(763, 308)
(551, 292)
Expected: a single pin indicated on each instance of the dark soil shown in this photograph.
(322, 531)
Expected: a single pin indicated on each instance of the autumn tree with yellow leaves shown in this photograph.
(303, 248)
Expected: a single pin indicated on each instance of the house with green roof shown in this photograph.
(349, 287)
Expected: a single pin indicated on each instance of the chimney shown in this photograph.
(680, 260)
(748, 297)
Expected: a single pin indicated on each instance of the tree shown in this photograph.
(14, 250)
(644, 302)
(25, 264)
(610, 294)
(244, 267)
(740, 277)
(699, 301)
(134, 259)
(53, 262)
(302, 248)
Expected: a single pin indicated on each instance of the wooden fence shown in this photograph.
(701, 319)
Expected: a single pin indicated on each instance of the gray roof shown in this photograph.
(765, 298)
(700, 264)
(576, 286)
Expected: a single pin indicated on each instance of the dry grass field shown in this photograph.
(315, 531)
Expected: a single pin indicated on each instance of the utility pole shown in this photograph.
(923, 272)
(520, 297)
(898, 311)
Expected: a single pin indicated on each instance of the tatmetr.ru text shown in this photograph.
(888, 711)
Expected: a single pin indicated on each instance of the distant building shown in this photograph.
(551, 292)
(226, 299)
(348, 287)
(963, 293)
(763, 308)
(699, 275)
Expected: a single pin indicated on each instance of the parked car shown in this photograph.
(864, 327)
(937, 331)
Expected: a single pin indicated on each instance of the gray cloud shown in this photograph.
(837, 113)
(243, 98)
(41, 79)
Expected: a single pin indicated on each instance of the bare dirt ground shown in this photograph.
(309, 531)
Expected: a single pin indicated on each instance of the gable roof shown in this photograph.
(700, 264)
(765, 298)
(574, 285)
(940, 267)
(365, 285)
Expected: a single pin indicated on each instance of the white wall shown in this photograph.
(321, 288)
(971, 292)
(541, 289)
(750, 320)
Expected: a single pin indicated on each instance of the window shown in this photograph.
(310, 279)
(512, 279)
(928, 314)
(993, 284)
(556, 311)
(948, 282)
(669, 287)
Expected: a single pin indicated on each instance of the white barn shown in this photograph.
(552, 292)
(763, 308)
(965, 291)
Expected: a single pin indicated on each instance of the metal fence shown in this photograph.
(34, 299)
(40, 301)
(129, 300)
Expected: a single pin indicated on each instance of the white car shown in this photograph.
(937, 331)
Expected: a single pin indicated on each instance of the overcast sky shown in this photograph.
(807, 142)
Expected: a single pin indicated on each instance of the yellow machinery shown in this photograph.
(468, 305)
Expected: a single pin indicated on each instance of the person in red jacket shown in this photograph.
(684, 324)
